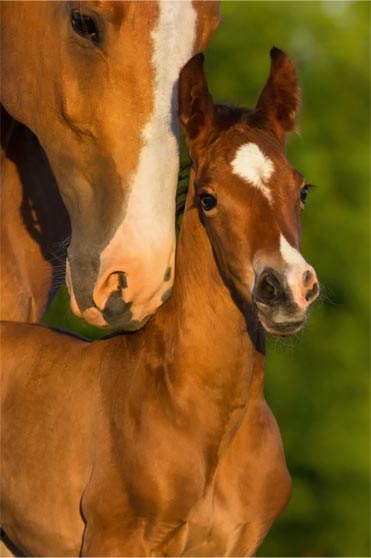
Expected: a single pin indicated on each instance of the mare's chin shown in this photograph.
(276, 323)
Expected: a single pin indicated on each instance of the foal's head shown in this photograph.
(249, 196)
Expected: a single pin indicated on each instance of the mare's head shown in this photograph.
(96, 82)
(250, 197)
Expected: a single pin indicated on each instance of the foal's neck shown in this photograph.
(214, 344)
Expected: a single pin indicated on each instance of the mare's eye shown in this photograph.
(207, 201)
(84, 25)
(303, 194)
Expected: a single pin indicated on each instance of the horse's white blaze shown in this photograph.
(291, 255)
(296, 267)
(252, 165)
(149, 220)
(153, 186)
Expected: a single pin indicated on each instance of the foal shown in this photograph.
(161, 443)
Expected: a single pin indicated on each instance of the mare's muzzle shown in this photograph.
(116, 299)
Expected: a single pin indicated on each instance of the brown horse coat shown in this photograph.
(161, 443)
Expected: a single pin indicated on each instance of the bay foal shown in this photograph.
(89, 88)
(161, 443)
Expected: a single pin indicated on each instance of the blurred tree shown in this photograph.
(318, 384)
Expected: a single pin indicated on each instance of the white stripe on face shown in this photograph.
(252, 165)
(143, 245)
(291, 255)
(296, 267)
(152, 195)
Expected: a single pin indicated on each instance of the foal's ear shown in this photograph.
(196, 107)
(280, 99)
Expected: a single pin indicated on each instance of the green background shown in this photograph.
(318, 383)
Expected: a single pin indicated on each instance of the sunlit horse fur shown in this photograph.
(96, 83)
(161, 443)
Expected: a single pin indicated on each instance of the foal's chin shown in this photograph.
(277, 324)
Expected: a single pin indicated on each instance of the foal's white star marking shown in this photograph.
(252, 165)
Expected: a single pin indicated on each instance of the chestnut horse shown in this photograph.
(96, 83)
(161, 443)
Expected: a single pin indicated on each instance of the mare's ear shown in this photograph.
(279, 101)
(196, 107)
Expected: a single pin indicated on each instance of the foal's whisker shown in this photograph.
(326, 295)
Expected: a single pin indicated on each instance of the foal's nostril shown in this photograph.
(310, 285)
(269, 287)
(307, 278)
(312, 293)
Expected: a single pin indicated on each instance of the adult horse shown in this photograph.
(96, 84)
(161, 443)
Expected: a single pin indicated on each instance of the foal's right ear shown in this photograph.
(196, 107)
(279, 101)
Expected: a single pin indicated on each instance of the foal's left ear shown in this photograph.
(196, 107)
(280, 99)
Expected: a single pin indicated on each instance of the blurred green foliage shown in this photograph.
(317, 384)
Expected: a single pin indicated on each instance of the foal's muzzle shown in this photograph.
(282, 308)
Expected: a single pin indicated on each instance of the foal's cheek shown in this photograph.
(237, 271)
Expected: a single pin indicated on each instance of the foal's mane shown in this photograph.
(227, 116)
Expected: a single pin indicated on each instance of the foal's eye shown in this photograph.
(208, 201)
(84, 25)
(304, 193)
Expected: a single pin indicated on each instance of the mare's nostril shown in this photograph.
(123, 282)
(115, 307)
(312, 293)
(117, 280)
